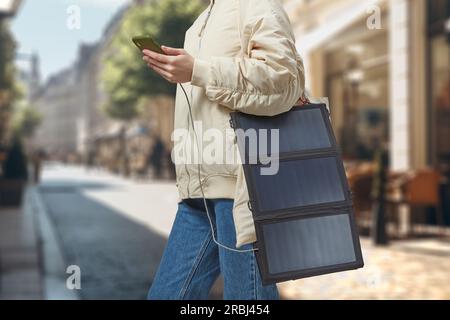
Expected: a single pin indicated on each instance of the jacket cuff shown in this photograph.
(201, 73)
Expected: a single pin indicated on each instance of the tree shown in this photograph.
(126, 78)
(26, 121)
(7, 90)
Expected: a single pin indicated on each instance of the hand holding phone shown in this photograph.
(173, 64)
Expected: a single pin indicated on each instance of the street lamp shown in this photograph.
(8, 8)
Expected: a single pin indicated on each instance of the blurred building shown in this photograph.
(30, 76)
(93, 123)
(58, 103)
(385, 66)
(71, 102)
(90, 115)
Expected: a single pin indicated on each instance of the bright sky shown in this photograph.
(41, 26)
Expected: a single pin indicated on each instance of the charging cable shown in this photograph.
(201, 184)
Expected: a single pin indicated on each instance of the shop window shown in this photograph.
(439, 95)
(440, 101)
(358, 88)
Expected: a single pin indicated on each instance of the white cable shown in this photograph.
(201, 185)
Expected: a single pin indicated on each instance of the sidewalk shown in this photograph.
(20, 266)
(115, 229)
(31, 262)
(405, 270)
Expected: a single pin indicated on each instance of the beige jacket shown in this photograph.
(246, 61)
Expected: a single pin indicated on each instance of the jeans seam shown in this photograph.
(198, 260)
(253, 273)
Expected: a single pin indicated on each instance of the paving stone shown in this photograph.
(389, 273)
(20, 271)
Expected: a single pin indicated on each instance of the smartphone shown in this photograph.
(147, 42)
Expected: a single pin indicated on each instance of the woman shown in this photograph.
(239, 55)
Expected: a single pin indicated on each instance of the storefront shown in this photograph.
(357, 84)
(439, 84)
(387, 86)
(438, 22)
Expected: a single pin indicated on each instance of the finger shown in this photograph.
(158, 71)
(152, 61)
(161, 72)
(172, 51)
(162, 66)
(156, 56)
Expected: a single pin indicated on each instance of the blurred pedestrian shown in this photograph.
(37, 158)
(156, 157)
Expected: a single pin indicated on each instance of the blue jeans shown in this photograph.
(192, 261)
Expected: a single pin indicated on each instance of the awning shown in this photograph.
(338, 23)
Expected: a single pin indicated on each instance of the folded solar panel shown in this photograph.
(303, 213)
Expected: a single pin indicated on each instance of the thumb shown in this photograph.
(172, 51)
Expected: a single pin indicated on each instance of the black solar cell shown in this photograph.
(298, 131)
(308, 243)
(299, 183)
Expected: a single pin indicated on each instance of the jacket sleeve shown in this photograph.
(267, 81)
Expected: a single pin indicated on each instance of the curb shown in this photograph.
(53, 264)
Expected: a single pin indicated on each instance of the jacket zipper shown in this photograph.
(200, 35)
